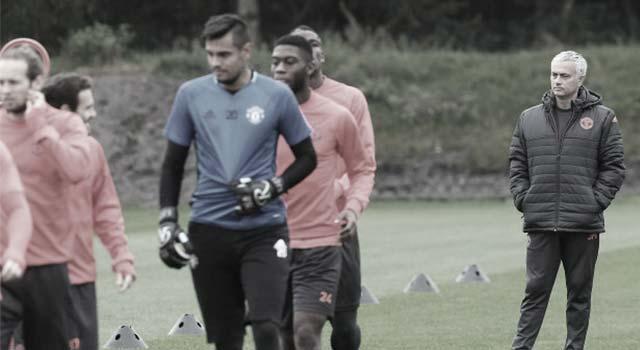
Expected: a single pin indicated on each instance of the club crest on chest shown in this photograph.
(255, 115)
(586, 123)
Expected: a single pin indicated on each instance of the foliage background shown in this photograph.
(457, 24)
(445, 80)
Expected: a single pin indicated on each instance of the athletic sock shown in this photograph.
(346, 332)
(266, 335)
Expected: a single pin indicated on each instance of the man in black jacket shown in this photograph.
(566, 165)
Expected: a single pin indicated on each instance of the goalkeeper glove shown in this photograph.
(253, 195)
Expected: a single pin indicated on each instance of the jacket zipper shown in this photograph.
(552, 119)
(560, 135)
(559, 150)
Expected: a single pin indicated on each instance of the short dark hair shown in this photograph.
(299, 42)
(63, 89)
(304, 27)
(218, 26)
(26, 53)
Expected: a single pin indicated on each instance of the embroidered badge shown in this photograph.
(281, 249)
(255, 115)
(586, 123)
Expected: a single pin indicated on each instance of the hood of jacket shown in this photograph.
(585, 100)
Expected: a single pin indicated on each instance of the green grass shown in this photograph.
(400, 239)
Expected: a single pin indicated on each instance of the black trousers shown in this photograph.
(235, 266)
(545, 251)
(38, 299)
(83, 315)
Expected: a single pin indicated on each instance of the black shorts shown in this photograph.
(350, 286)
(234, 266)
(82, 315)
(41, 293)
(314, 281)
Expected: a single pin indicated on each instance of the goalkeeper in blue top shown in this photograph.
(237, 245)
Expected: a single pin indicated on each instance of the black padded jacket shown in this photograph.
(563, 180)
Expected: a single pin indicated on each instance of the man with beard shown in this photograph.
(345, 333)
(315, 223)
(566, 160)
(237, 244)
(97, 207)
(51, 153)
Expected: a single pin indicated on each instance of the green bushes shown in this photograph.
(464, 104)
(456, 108)
(180, 64)
(97, 44)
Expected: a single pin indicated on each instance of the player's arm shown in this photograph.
(252, 195)
(295, 129)
(171, 174)
(360, 110)
(611, 163)
(108, 224)
(175, 248)
(359, 169)
(518, 166)
(303, 165)
(341, 186)
(18, 225)
(19, 229)
(69, 147)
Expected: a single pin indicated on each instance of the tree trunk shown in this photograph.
(565, 18)
(249, 10)
(632, 21)
(355, 34)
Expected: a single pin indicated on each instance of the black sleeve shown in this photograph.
(611, 164)
(304, 164)
(518, 166)
(171, 175)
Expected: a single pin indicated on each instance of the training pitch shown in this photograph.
(398, 241)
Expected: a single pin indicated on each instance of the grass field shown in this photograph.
(399, 240)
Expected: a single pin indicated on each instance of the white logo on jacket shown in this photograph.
(255, 115)
(586, 123)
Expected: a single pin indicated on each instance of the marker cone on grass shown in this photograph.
(187, 325)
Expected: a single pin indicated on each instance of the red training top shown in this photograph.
(96, 208)
(51, 152)
(311, 205)
(354, 100)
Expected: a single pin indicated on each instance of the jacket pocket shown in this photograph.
(601, 201)
(520, 199)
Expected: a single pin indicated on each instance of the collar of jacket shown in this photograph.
(585, 99)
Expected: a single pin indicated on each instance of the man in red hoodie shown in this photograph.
(51, 153)
(345, 333)
(97, 209)
(314, 217)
